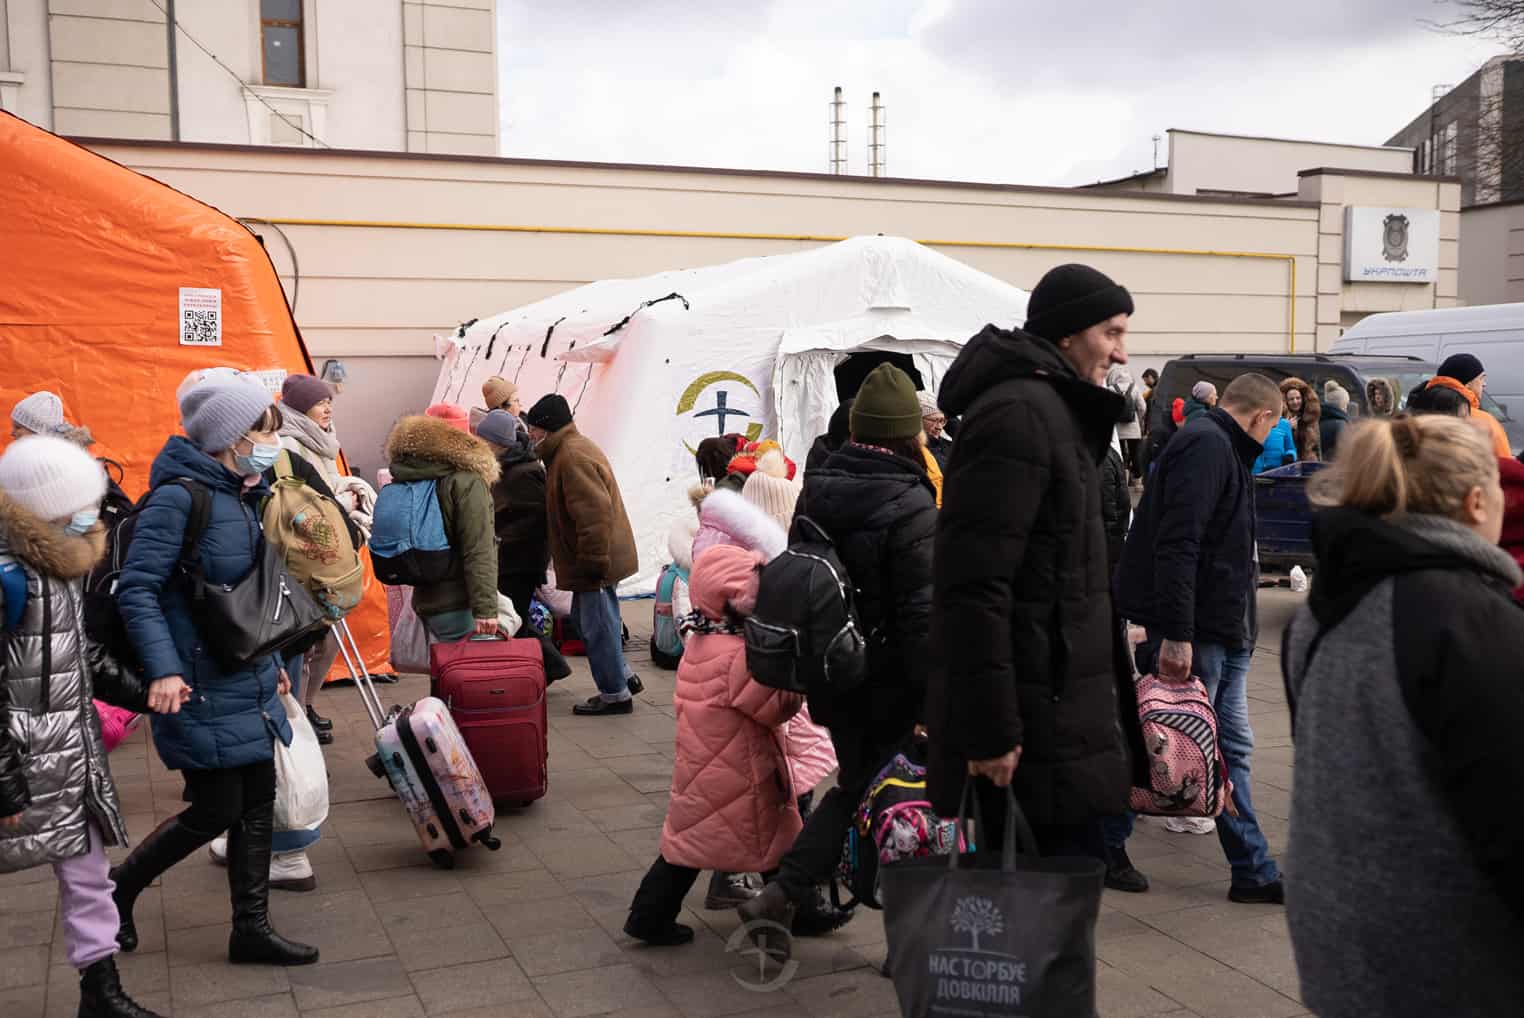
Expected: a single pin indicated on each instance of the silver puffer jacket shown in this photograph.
(52, 764)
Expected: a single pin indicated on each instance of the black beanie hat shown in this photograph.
(550, 414)
(1463, 367)
(886, 406)
(1072, 298)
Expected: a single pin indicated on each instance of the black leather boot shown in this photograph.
(817, 916)
(254, 941)
(170, 842)
(101, 994)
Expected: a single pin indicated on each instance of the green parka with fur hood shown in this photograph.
(429, 449)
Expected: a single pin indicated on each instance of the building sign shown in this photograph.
(1391, 245)
(200, 316)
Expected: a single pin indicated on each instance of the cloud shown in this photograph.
(987, 90)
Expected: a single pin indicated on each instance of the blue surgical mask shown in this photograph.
(81, 522)
(259, 459)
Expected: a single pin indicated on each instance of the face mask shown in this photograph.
(81, 522)
(259, 459)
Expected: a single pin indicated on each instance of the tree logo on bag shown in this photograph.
(975, 916)
(965, 977)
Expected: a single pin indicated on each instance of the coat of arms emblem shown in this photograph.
(1394, 238)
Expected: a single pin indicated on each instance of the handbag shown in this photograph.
(410, 641)
(301, 775)
(981, 936)
(265, 612)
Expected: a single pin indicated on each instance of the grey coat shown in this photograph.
(1406, 840)
(53, 766)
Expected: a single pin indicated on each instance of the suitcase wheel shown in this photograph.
(442, 859)
(376, 766)
(491, 844)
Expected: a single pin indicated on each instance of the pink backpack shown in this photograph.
(1188, 774)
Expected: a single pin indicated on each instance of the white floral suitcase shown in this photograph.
(421, 753)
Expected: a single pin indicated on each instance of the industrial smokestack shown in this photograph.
(838, 136)
(877, 159)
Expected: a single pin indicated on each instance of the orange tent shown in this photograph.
(114, 286)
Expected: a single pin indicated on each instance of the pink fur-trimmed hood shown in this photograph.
(727, 518)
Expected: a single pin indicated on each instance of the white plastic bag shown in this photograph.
(301, 775)
(410, 640)
(1298, 580)
(507, 616)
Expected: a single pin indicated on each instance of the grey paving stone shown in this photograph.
(406, 884)
(24, 929)
(24, 966)
(483, 985)
(195, 985)
(447, 946)
(514, 888)
(547, 954)
(598, 991)
(392, 1007)
(627, 818)
(853, 994)
(25, 1001)
(553, 915)
(278, 1005)
(346, 983)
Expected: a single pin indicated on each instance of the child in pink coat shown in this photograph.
(732, 805)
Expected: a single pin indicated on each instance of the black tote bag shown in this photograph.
(974, 936)
(264, 613)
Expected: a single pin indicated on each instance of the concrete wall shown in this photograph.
(1218, 162)
(377, 295)
(1492, 254)
(451, 69)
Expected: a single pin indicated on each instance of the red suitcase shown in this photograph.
(495, 689)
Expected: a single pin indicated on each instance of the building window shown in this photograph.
(1452, 134)
(280, 27)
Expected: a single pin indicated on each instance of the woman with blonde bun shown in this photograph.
(1402, 674)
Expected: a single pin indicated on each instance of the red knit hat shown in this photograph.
(454, 416)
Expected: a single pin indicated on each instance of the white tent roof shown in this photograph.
(653, 365)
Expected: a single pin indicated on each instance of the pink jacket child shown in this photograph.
(732, 805)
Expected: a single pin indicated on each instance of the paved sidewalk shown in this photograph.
(534, 929)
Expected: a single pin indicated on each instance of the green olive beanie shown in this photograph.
(886, 406)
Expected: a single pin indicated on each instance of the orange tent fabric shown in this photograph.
(114, 286)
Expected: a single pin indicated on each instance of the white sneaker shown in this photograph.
(1190, 825)
(291, 871)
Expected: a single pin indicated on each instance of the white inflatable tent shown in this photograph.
(653, 366)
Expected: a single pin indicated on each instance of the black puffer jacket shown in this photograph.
(881, 512)
(1031, 652)
(518, 512)
(1116, 508)
(834, 438)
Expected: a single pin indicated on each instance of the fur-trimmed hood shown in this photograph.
(47, 547)
(419, 441)
(680, 540)
(727, 518)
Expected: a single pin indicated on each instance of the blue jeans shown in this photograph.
(602, 627)
(1226, 676)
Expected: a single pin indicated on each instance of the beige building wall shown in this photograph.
(1341, 304)
(110, 68)
(434, 242)
(1228, 164)
(1492, 254)
(450, 63)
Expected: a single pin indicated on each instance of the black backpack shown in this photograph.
(103, 621)
(804, 636)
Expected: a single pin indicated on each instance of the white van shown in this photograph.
(1493, 332)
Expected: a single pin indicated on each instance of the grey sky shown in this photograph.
(988, 90)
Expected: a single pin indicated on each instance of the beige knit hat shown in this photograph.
(769, 489)
(497, 391)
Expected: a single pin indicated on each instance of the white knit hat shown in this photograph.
(41, 413)
(769, 489)
(51, 478)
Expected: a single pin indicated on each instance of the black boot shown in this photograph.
(817, 916)
(101, 994)
(254, 941)
(170, 842)
(317, 721)
(556, 667)
(1121, 874)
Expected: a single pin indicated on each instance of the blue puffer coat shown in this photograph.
(1280, 448)
(232, 717)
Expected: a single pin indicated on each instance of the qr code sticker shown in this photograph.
(200, 316)
(200, 327)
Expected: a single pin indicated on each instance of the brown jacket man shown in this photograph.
(591, 544)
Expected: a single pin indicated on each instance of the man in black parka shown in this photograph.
(1032, 664)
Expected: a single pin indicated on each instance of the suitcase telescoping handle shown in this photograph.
(350, 648)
